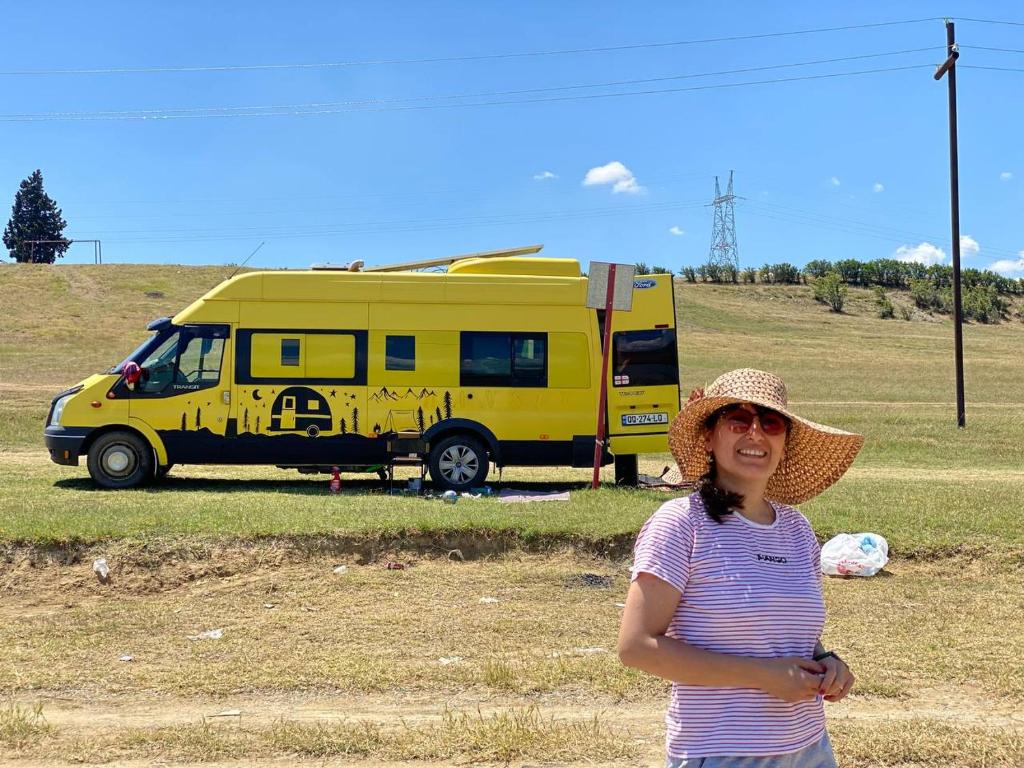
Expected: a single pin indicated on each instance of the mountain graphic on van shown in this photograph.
(383, 394)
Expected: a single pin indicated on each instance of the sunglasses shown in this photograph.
(739, 420)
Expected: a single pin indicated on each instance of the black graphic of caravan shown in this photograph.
(300, 409)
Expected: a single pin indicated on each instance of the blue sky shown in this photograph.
(384, 170)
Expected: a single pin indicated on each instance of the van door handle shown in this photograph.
(226, 396)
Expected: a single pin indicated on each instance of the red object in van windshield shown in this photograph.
(132, 372)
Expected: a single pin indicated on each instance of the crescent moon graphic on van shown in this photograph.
(256, 395)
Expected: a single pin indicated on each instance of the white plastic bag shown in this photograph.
(858, 554)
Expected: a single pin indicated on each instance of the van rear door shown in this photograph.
(643, 370)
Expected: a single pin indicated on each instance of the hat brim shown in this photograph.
(816, 455)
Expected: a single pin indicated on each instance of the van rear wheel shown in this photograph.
(120, 460)
(458, 463)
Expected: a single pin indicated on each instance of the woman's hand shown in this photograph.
(838, 679)
(792, 678)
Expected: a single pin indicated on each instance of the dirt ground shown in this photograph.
(287, 622)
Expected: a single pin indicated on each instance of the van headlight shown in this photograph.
(58, 410)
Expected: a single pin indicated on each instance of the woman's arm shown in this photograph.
(650, 605)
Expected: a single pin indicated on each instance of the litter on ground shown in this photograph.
(210, 634)
(509, 496)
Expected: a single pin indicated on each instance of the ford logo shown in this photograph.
(644, 283)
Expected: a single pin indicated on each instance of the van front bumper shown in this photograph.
(65, 443)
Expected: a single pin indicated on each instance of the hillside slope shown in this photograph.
(62, 323)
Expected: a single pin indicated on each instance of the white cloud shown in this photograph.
(616, 174)
(923, 253)
(835, 182)
(1009, 267)
(879, 187)
(676, 231)
(544, 175)
(1006, 175)
(968, 244)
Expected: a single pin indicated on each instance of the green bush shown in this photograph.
(886, 311)
(982, 303)
(689, 274)
(749, 275)
(830, 289)
(925, 294)
(660, 271)
(640, 268)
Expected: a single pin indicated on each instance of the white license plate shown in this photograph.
(634, 419)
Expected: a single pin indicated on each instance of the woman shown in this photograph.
(726, 598)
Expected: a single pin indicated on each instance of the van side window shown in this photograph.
(494, 359)
(290, 352)
(310, 356)
(400, 353)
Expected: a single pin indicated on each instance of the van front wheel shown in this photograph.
(120, 460)
(458, 463)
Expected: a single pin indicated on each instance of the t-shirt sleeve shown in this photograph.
(812, 546)
(664, 546)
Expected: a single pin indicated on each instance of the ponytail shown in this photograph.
(717, 502)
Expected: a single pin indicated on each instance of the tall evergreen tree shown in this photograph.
(35, 216)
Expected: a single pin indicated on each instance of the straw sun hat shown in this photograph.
(816, 455)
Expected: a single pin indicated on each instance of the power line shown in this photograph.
(299, 110)
(994, 69)
(986, 48)
(993, 21)
(483, 94)
(443, 59)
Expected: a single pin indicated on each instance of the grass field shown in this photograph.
(349, 666)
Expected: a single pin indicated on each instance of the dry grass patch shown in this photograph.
(514, 734)
(921, 742)
(21, 726)
(517, 624)
(956, 621)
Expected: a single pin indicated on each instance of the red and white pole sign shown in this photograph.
(610, 287)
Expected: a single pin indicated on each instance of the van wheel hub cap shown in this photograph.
(118, 461)
(459, 463)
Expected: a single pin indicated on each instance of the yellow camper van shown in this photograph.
(496, 361)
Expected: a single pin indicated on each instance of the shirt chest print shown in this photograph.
(764, 558)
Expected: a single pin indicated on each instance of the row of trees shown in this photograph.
(887, 273)
(983, 299)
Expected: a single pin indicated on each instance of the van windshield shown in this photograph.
(142, 350)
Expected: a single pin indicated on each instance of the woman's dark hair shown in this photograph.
(717, 502)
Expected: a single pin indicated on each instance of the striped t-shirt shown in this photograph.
(748, 589)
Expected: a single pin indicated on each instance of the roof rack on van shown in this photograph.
(409, 265)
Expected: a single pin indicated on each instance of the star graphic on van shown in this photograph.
(334, 393)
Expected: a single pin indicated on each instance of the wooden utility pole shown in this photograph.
(948, 68)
